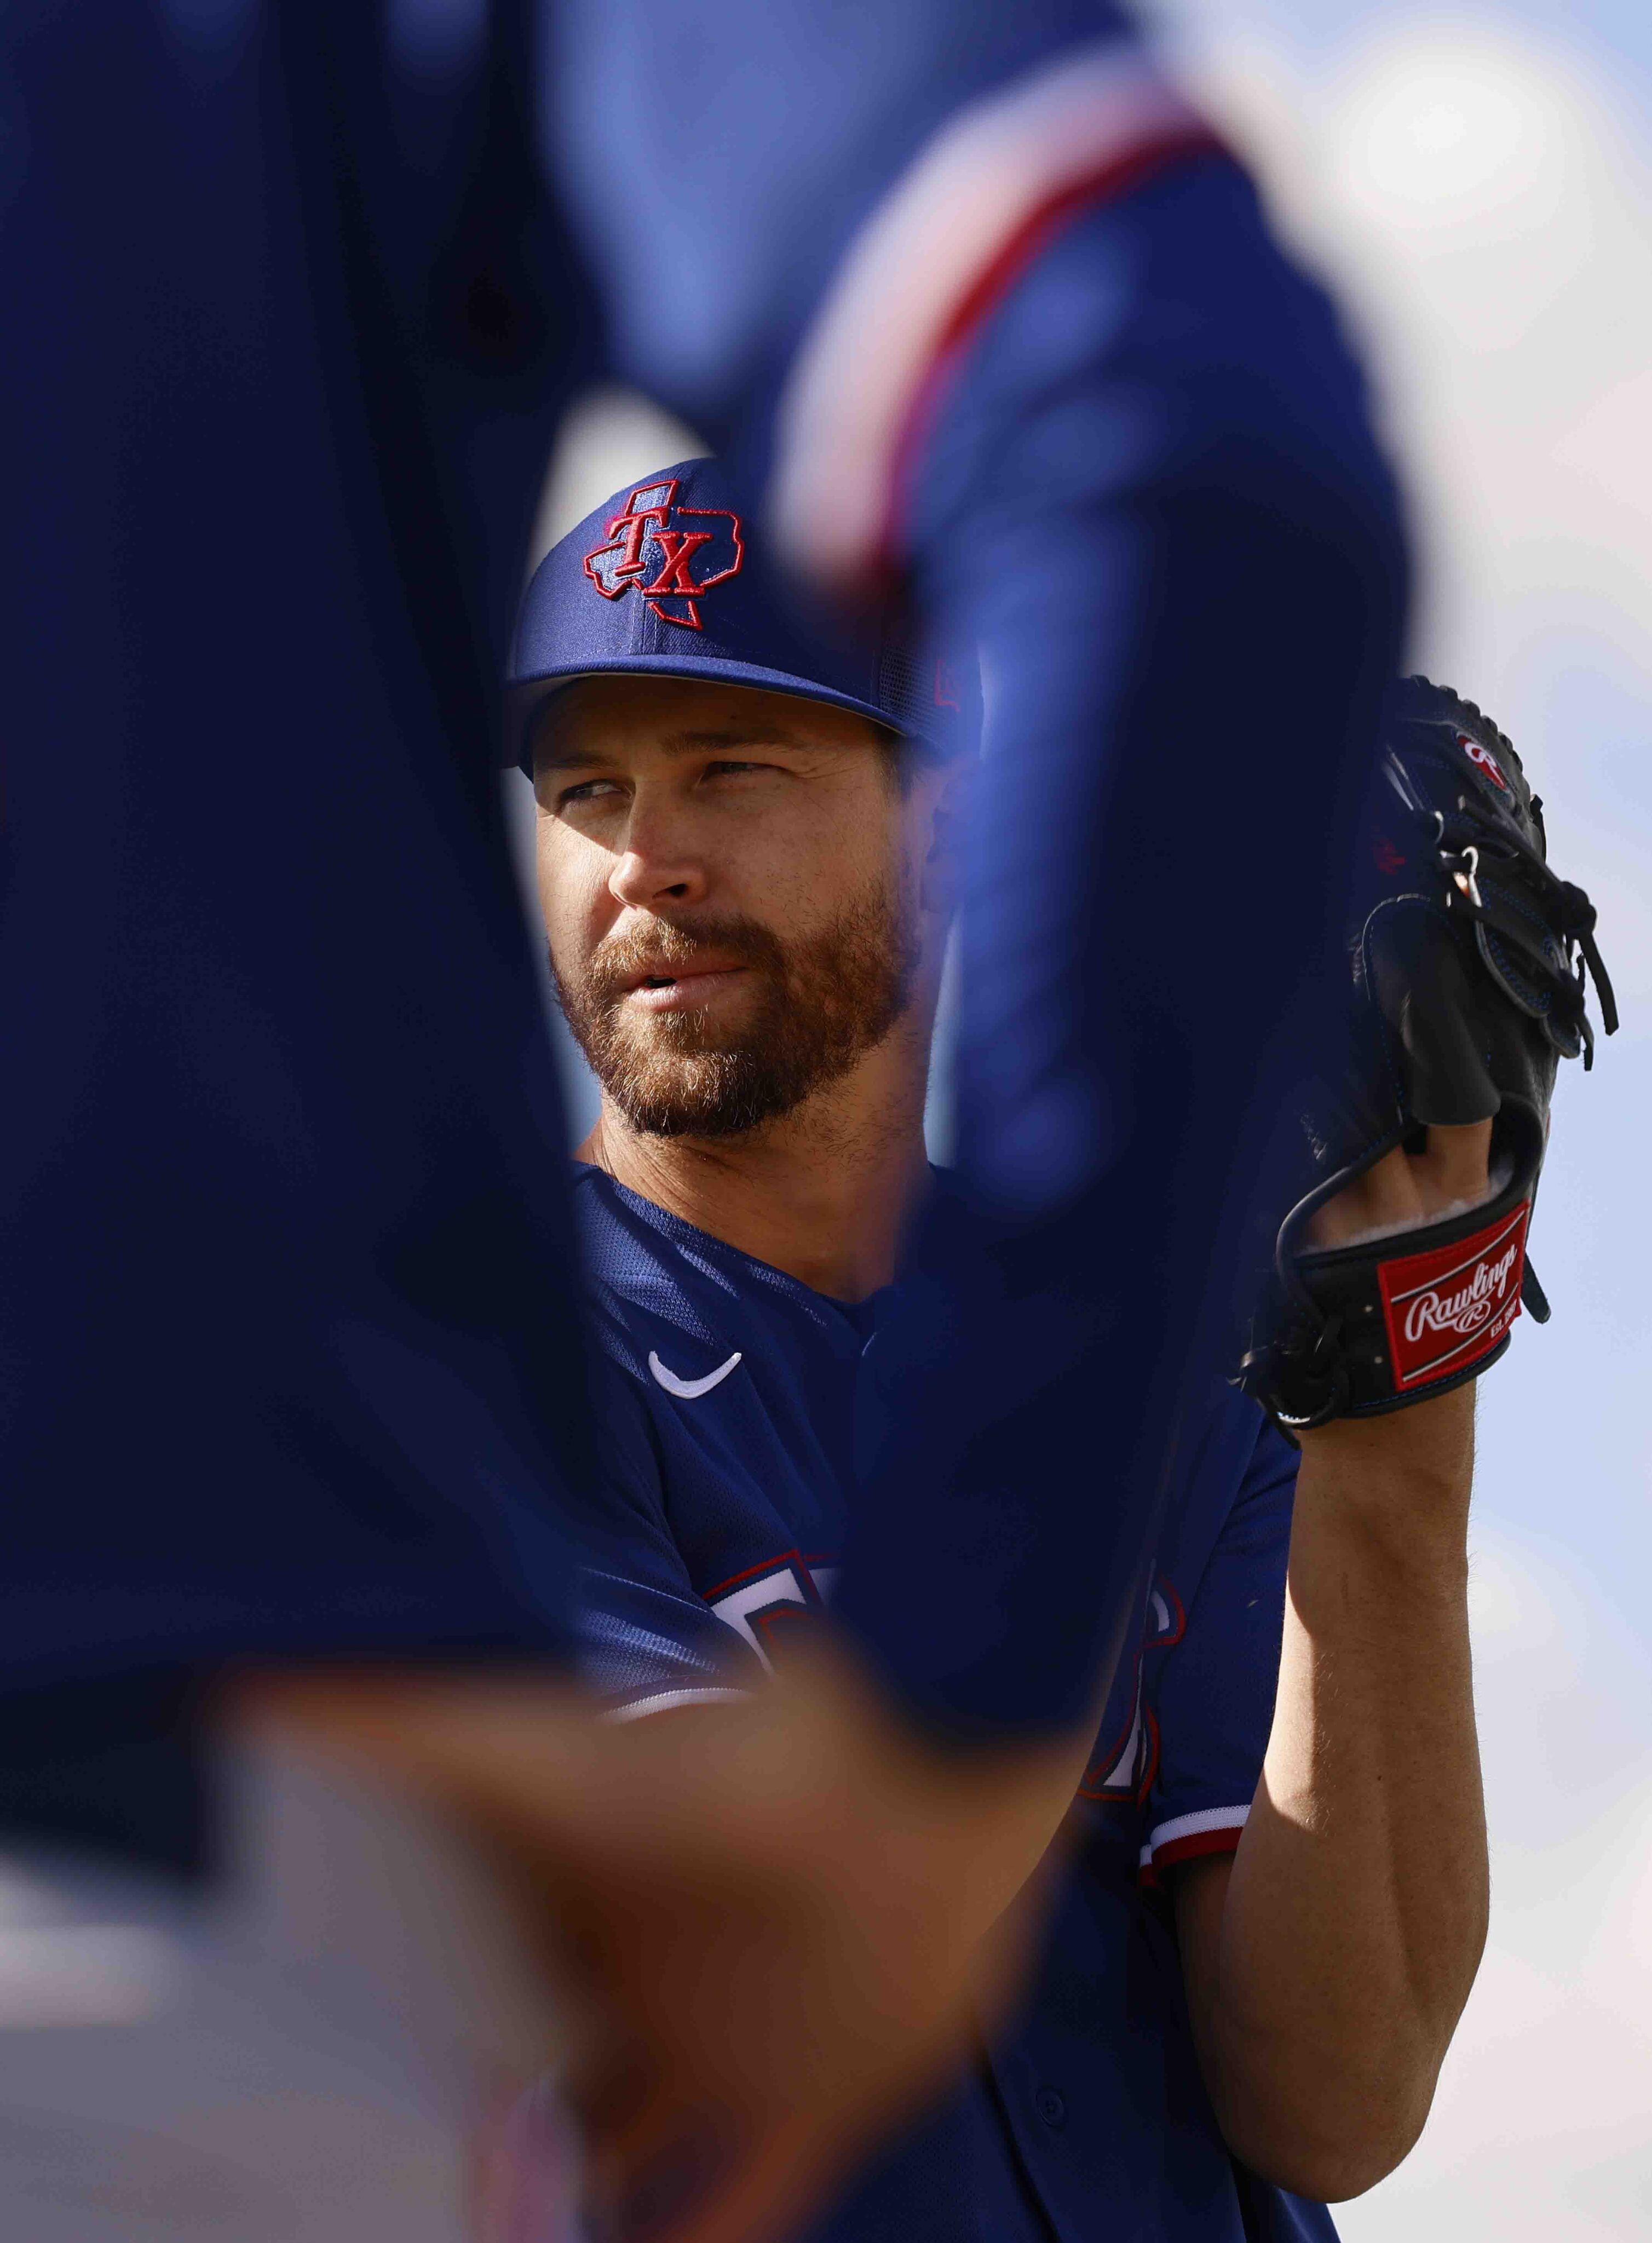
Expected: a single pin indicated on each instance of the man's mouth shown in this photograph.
(664, 990)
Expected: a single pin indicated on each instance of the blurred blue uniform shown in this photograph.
(732, 1401)
(284, 1240)
(288, 1354)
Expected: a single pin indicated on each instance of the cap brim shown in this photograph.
(527, 695)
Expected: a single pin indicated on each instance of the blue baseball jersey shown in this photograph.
(734, 1393)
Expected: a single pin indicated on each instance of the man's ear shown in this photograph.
(945, 792)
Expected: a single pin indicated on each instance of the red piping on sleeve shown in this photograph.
(1109, 181)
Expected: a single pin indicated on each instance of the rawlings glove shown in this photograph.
(1468, 957)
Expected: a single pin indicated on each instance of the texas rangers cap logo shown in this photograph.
(671, 555)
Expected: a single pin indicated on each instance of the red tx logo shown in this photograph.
(671, 564)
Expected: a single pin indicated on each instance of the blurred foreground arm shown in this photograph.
(1328, 1961)
(768, 1916)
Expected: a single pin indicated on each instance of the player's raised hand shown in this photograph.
(1468, 959)
(770, 1915)
(1404, 1191)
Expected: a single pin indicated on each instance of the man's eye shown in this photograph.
(728, 767)
(588, 790)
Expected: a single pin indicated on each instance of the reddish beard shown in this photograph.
(813, 1005)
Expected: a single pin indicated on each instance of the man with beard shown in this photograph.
(1269, 1916)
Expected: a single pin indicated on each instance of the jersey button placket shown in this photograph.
(1050, 2107)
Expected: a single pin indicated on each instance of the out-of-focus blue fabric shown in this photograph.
(288, 1355)
(1154, 500)
(718, 156)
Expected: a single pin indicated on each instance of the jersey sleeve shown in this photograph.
(647, 1641)
(1211, 1700)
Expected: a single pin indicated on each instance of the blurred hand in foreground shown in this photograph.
(769, 1916)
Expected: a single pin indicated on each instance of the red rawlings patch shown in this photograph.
(1485, 759)
(1448, 1307)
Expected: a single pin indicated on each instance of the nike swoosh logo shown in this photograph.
(690, 1389)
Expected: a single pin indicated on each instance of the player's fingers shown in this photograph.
(1386, 1194)
(1456, 1167)
(1390, 1193)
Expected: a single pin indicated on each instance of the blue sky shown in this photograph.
(1620, 29)
(1478, 185)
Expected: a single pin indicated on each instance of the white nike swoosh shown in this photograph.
(690, 1389)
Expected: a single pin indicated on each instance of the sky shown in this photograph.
(1477, 187)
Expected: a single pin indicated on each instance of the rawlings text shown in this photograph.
(1448, 1307)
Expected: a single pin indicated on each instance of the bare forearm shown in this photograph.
(1355, 1912)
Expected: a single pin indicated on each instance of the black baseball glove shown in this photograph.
(1468, 957)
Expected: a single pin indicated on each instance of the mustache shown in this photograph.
(665, 947)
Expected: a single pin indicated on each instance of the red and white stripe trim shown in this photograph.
(939, 250)
(1184, 1837)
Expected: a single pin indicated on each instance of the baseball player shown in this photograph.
(1276, 1892)
(988, 315)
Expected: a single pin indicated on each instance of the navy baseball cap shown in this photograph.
(665, 579)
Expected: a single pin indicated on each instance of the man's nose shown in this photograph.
(657, 866)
